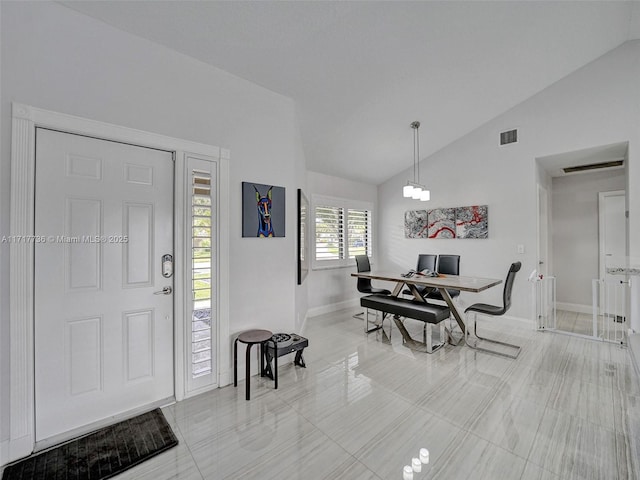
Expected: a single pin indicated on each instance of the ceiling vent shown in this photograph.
(510, 136)
(593, 166)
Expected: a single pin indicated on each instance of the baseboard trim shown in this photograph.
(333, 307)
(303, 327)
(574, 307)
(4, 452)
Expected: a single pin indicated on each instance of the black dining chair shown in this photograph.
(364, 286)
(494, 310)
(447, 265)
(426, 261)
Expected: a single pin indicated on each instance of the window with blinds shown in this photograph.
(201, 328)
(341, 232)
(329, 232)
(358, 232)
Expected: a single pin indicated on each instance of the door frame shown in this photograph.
(542, 230)
(25, 119)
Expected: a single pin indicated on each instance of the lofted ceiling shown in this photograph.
(361, 71)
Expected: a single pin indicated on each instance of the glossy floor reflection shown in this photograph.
(567, 408)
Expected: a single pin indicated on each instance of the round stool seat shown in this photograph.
(254, 336)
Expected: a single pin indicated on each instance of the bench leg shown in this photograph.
(416, 345)
(366, 322)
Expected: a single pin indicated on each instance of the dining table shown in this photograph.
(441, 282)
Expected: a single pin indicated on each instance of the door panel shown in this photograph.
(104, 340)
(613, 247)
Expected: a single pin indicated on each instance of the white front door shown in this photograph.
(103, 327)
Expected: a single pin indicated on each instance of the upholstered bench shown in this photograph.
(428, 313)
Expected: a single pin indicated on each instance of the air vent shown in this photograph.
(593, 166)
(510, 136)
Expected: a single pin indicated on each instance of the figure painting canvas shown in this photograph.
(442, 223)
(415, 224)
(263, 210)
(472, 222)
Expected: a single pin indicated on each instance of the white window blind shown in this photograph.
(342, 231)
(201, 328)
(358, 232)
(329, 233)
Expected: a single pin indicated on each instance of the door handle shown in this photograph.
(164, 291)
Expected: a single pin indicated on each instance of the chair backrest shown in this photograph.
(363, 265)
(449, 264)
(426, 261)
(508, 286)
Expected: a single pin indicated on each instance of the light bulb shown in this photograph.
(425, 195)
(407, 473)
(407, 191)
(424, 455)
(416, 464)
(415, 194)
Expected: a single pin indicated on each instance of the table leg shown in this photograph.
(456, 314)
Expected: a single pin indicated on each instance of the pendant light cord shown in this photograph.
(416, 152)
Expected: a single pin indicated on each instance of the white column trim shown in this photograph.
(25, 119)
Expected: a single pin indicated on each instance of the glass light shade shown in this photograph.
(407, 191)
(425, 195)
(415, 194)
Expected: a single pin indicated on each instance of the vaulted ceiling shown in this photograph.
(361, 72)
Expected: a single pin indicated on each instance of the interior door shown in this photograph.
(612, 250)
(103, 308)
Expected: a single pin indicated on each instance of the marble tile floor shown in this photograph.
(582, 324)
(567, 408)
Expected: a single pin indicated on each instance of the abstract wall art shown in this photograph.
(263, 210)
(459, 222)
(472, 222)
(442, 223)
(415, 224)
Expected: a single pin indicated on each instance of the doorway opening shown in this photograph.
(583, 188)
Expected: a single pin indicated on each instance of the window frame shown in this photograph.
(346, 204)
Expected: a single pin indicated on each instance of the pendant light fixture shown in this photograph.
(415, 189)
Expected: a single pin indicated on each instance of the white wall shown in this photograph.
(331, 289)
(57, 59)
(574, 226)
(596, 105)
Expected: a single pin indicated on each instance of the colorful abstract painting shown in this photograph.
(442, 223)
(472, 222)
(263, 210)
(415, 224)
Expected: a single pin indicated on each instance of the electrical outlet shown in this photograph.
(520, 248)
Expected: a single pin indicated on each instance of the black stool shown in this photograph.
(250, 337)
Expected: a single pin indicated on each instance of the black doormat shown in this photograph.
(101, 454)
